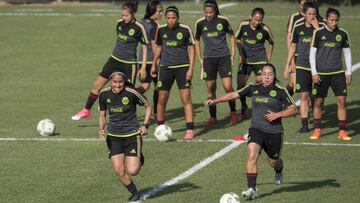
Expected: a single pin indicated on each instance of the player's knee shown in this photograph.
(133, 171)
(120, 172)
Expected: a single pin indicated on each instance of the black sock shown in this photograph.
(160, 122)
(342, 125)
(232, 105)
(280, 167)
(304, 121)
(141, 89)
(243, 104)
(91, 100)
(131, 188)
(155, 99)
(317, 123)
(290, 89)
(190, 126)
(251, 179)
(212, 111)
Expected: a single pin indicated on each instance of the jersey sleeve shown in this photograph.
(245, 91)
(143, 36)
(238, 32)
(198, 30)
(158, 38)
(139, 98)
(153, 31)
(269, 36)
(102, 102)
(295, 36)
(189, 37)
(228, 27)
(315, 39)
(286, 99)
(345, 41)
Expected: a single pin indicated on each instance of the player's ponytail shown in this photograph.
(213, 4)
(151, 8)
(132, 6)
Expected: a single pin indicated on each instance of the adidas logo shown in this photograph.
(245, 34)
(108, 101)
(323, 38)
(205, 28)
(133, 151)
(256, 92)
(164, 36)
(301, 33)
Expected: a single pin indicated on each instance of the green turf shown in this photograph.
(48, 64)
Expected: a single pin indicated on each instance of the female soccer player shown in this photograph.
(300, 44)
(217, 57)
(124, 131)
(251, 37)
(270, 103)
(129, 33)
(328, 44)
(153, 14)
(175, 44)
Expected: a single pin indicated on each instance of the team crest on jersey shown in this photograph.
(273, 93)
(259, 36)
(179, 36)
(125, 100)
(131, 32)
(219, 26)
(108, 101)
(338, 38)
(205, 29)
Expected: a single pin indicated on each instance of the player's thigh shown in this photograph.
(255, 142)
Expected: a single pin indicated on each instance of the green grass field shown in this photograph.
(49, 58)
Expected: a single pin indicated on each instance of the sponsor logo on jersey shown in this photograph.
(249, 41)
(116, 109)
(219, 26)
(307, 40)
(179, 36)
(212, 34)
(125, 100)
(262, 100)
(123, 37)
(330, 44)
(273, 93)
(259, 36)
(338, 38)
(171, 44)
(131, 32)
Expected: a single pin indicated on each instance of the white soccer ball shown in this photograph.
(230, 198)
(163, 133)
(46, 127)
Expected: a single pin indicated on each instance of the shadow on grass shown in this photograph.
(181, 187)
(302, 186)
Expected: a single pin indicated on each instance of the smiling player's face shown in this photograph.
(117, 83)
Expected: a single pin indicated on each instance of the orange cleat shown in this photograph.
(343, 135)
(315, 134)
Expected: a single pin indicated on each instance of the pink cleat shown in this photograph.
(84, 113)
(233, 118)
(189, 135)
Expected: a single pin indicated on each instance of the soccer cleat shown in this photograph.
(304, 129)
(315, 134)
(343, 135)
(135, 196)
(233, 118)
(249, 193)
(189, 135)
(211, 121)
(278, 178)
(242, 116)
(84, 113)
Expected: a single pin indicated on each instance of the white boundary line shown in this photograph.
(191, 170)
(355, 67)
(40, 139)
(226, 5)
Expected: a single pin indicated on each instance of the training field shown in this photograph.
(49, 58)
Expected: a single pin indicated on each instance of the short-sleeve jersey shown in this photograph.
(273, 98)
(151, 28)
(128, 37)
(253, 42)
(214, 36)
(121, 108)
(292, 20)
(302, 37)
(174, 42)
(329, 46)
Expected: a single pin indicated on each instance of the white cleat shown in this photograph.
(249, 194)
(278, 178)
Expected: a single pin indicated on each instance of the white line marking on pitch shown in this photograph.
(226, 5)
(192, 170)
(355, 67)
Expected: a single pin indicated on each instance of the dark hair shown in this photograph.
(173, 9)
(274, 69)
(151, 8)
(132, 6)
(308, 5)
(332, 11)
(213, 4)
(259, 11)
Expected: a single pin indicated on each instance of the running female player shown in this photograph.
(175, 44)
(124, 131)
(251, 37)
(270, 103)
(217, 57)
(129, 33)
(328, 44)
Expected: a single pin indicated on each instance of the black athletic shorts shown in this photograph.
(245, 69)
(167, 76)
(214, 65)
(271, 143)
(303, 81)
(148, 78)
(113, 65)
(337, 82)
(130, 146)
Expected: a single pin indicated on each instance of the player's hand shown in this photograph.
(271, 116)
(188, 75)
(143, 74)
(143, 130)
(102, 134)
(240, 61)
(348, 79)
(153, 71)
(316, 79)
(209, 102)
(232, 60)
(315, 23)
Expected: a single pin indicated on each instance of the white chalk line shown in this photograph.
(226, 5)
(355, 67)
